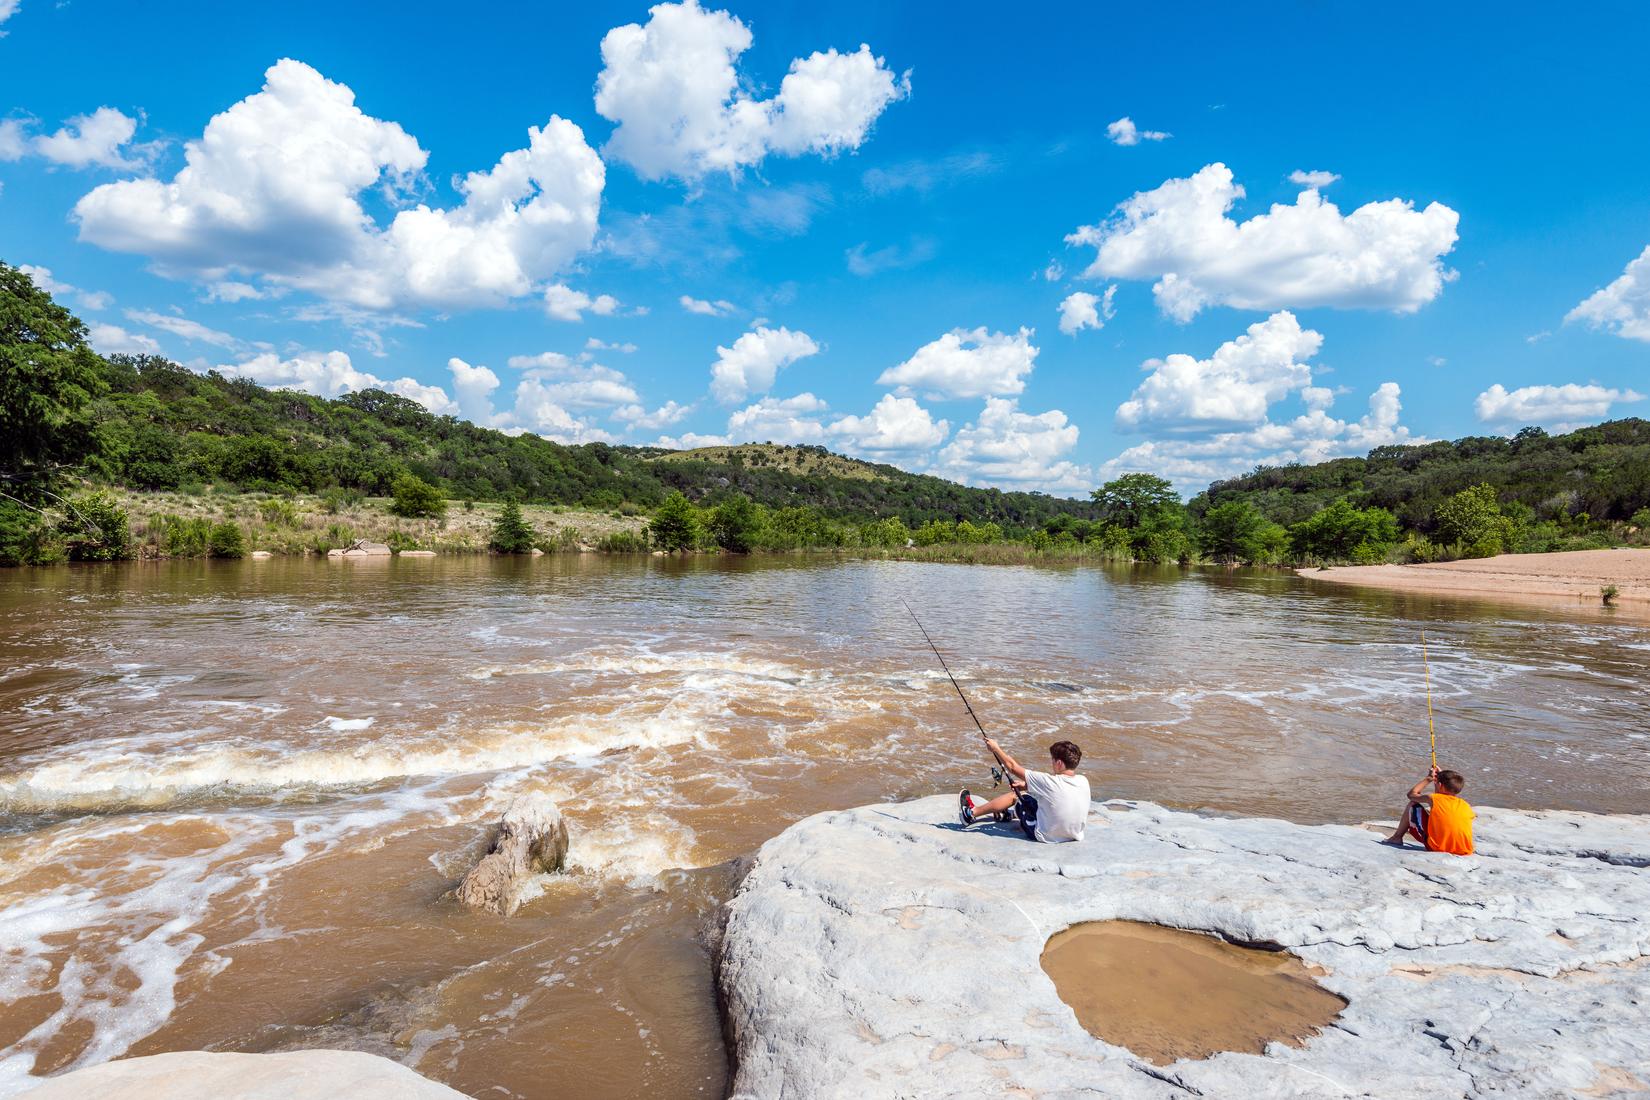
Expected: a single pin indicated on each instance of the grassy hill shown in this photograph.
(787, 458)
(160, 426)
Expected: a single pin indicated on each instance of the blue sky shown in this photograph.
(1032, 248)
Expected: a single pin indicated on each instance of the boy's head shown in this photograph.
(1066, 756)
(1451, 782)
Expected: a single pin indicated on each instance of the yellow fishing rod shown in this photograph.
(1426, 669)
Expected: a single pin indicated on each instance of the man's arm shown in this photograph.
(1010, 765)
(1416, 797)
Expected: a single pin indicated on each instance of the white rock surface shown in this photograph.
(862, 944)
(531, 839)
(199, 1075)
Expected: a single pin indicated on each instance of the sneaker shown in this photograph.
(965, 808)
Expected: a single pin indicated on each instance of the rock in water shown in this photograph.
(531, 839)
(199, 1075)
(883, 952)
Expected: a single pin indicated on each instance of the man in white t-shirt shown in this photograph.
(1052, 806)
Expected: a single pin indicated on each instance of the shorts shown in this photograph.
(1026, 808)
(1418, 822)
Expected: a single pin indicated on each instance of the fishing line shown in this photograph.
(1432, 734)
(997, 770)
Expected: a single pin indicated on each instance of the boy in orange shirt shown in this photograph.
(1441, 821)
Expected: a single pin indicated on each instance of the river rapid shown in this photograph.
(232, 795)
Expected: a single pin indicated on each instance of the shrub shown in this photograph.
(623, 542)
(179, 536)
(1609, 593)
(511, 533)
(1473, 519)
(95, 528)
(279, 513)
(25, 537)
(334, 501)
(675, 524)
(226, 540)
(413, 497)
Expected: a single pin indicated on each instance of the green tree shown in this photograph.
(1343, 532)
(48, 378)
(511, 533)
(736, 524)
(675, 524)
(413, 496)
(226, 540)
(1472, 519)
(95, 528)
(1131, 499)
(1236, 531)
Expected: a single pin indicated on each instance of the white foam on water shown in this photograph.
(130, 921)
(642, 662)
(345, 725)
(115, 775)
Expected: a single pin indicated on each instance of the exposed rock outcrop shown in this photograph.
(883, 952)
(199, 1075)
(531, 839)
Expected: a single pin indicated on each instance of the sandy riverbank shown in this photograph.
(1574, 577)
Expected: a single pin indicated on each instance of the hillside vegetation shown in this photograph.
(1601, 472)
(214, 466)
(795, 459)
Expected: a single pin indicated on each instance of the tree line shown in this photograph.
(72, 421)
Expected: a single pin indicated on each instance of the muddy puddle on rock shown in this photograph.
(1165, 994)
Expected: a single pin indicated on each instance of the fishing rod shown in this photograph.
(1000, 767)
(1426, 668)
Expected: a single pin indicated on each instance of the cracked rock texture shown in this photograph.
(199, 1075)
(861, 944)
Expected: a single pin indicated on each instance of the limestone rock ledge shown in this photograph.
(200, 1075)
(861, 946)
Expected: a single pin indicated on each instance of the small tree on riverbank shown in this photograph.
(675, 525)
(413, 497)
(511, 533)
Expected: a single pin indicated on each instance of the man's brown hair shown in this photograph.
(1452, 781)
(1069, 754)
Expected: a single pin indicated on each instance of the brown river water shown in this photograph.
(232, 795)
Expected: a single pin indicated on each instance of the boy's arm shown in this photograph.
(1010, 765)
(1416, 797)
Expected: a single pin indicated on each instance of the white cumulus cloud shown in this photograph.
(1235, 386)
(110, 339)
(272, 189)
(1560, 407)
(636, 416)
(1623, 307)
(566, 304)
(1383, 255)
(1125, 132)
(93, 140)
(183, 327)
(718, 308)
(1016, 450)
(1080, 310)
(681, 109)
(895, 425)
(14, 143)
(1316, 180)
(966, 363)
(329, 374)
(755, 360)
(779, 420)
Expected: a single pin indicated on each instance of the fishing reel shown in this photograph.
(997, 776)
